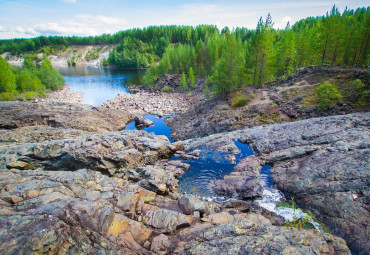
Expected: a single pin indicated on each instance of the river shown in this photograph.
(100, 84)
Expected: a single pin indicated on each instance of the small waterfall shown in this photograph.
(272, 197)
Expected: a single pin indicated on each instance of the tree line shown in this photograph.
(34, 78)
(232, 59)
(228, 58)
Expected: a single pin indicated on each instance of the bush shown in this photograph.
(327, 94)
(167, 89)
(239, 100)
(6, 96)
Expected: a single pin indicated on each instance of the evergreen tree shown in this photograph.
(183, 84)
(191, 78)
(230, 70)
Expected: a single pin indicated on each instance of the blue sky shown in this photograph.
(31, 18)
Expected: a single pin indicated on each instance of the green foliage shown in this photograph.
(51, 79)
(206, 92)
(92, 54)
(183, 84)
(191, 78)
(29, 81)
(149, 78)
(239, 100)
(167, 89)
(297, 222)
(7, 79)
(327, 94)
(230, 69)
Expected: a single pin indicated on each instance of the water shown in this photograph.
(272, 197)
(159, 126)
(212, 165)
(100, 84)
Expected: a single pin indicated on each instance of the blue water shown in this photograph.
(159, 126)
(265, 176)
(99, 84)
(211, 166)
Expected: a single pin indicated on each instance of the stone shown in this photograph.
(219, 218)
(254, 234)
(160, 243)
(185, 205)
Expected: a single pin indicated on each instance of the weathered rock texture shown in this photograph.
(254, 234)
(62, 115)
(323, 162)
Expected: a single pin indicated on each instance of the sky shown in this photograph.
(32, 18)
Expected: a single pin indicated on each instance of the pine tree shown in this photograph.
(229, 72)
(191, 78)
(183, 84)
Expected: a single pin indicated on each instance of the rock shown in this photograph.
(185, 205)
(160, 243)
(105, 152)
(148, 123)
(254, 234)
(62, 115)
(219, 218)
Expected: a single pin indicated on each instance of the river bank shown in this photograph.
(64, 95)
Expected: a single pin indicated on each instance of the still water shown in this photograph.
(100, 84)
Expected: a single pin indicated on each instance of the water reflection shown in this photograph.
(100, 84)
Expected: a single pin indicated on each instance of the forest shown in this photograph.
(228, 58)
(33, 79)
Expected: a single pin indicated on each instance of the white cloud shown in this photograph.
(81, 25)
(61, 29)
(3, 29)
(27, 31)
(283, 22)
(70, 1)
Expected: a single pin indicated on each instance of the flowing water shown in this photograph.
(100, 84)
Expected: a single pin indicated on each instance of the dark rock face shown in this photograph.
(322, 162)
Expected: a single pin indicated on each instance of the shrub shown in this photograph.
(327, 94)
(6, 96)
(239, 100)
(167, 89)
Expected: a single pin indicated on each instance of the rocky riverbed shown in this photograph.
(77, 187)
(323, 162)
(157, 103)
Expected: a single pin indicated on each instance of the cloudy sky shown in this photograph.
(31, 18)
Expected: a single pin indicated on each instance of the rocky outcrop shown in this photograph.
(290, 99)
(254, 234)
(32, 134)
(322, 162)
(62, 115)
(110, 153)
(243, 182)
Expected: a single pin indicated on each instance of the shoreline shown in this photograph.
(64, 95)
